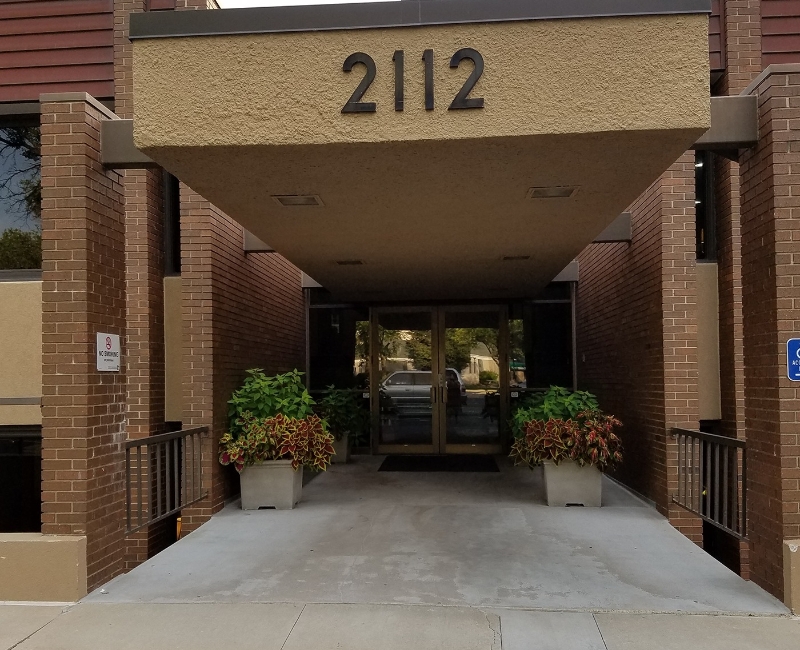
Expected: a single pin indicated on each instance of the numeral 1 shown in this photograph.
(428, 58)
(399, 79)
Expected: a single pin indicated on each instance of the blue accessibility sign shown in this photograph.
(793, 359)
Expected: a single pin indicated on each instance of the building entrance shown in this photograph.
(441, 378)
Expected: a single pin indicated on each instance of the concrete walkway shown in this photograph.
(403, 560)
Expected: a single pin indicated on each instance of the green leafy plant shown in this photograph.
(304, 441)
(266, 397)
(487, 377)
(589, 439)
(556, 403)
(342, 411)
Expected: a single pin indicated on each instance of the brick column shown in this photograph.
(679, 305)
(144, 257)
(83, 292)
(770, 176)
(197, 265)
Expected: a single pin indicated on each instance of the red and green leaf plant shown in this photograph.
(304, 441)
(589, 439)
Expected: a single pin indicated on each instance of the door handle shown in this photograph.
(433, 394)
(444, 394)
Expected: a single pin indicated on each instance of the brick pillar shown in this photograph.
(83, 292)
(197, 242)
(679, 305)
(742, 34)
(144, 236)
(770, 176)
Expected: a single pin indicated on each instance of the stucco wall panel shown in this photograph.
(541, 77)
(20, 350)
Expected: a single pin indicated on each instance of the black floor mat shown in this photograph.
(454, 463)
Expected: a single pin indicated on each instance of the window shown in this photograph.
(705, 215)
(172, 225)
(400, 379)
(422, 379)
(20, 193)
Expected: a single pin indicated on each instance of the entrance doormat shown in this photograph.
(454, 463)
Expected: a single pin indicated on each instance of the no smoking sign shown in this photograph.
(108, 352)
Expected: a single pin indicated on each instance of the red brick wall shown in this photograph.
(83, 292)
(240, 311)
(742, 45)
(771, 305)
(637, 334)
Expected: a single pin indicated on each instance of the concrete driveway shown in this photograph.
(393, 561)
(458, 539)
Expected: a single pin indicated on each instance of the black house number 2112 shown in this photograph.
(462, 99)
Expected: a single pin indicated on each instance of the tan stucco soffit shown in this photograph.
(734, 124)
(117, 150)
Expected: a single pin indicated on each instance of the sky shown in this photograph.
(229, 4)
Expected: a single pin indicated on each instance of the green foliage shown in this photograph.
(588, 439)
(342, 410)
(556, 403)
(304, 441)
(487, 377)
(458, 345)
(20, 249)
(418, 348)
(266, 397)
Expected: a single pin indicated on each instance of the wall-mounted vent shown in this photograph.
(297, 200)
(516, 258)
(562, 192)
(349, 262)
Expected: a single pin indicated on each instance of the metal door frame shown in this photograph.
(374, 384)
(502, 347)
(438, 364)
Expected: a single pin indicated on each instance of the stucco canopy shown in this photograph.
(424, 204)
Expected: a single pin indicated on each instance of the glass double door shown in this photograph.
(439, 373)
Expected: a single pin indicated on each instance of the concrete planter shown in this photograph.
(342, 449)
(273, 484)
(570, 484)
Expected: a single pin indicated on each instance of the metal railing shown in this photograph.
(712, 479)
(163, 474)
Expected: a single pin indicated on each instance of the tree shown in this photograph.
(457, 348)
(20, 250)
(418, 348)
(20, 170)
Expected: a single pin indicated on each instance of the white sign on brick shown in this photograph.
(108, 352)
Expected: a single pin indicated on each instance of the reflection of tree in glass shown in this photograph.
(459, 345)
(20, 171)
(388, 342)
(516, 348)
(20, 198)
(20, 250)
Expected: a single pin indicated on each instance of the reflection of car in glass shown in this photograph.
(409, 391)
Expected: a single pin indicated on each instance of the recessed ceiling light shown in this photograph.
(349, 262)
(516, 258)
(561, 192)
(297, 200)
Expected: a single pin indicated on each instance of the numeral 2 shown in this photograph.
(354, 104)
(462, 99)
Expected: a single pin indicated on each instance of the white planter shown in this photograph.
(273, 484)
(342, 449)
(568, 484)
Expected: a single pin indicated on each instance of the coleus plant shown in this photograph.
(304, 441)
(588, 439)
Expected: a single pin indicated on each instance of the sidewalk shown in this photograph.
(377, 627)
